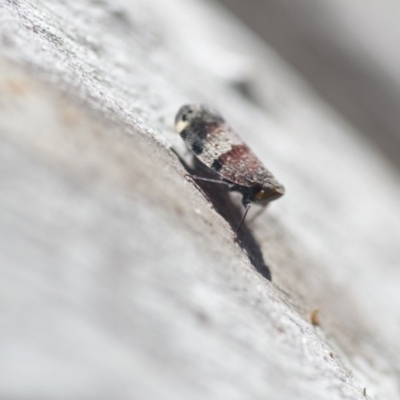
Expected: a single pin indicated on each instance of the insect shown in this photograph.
(220, 149)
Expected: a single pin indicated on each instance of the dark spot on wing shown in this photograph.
(199, 128)
(184, 134)
(197, 147)
(216, 165)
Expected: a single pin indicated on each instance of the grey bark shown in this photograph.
(120, 278)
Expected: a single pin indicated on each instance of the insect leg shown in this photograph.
(247, 206)
(202, 178)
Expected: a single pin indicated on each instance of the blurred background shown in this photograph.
(347, 50)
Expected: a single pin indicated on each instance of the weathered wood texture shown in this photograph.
(119, 279)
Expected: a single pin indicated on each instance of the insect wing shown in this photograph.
(222, 150)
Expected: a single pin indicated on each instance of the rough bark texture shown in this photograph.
(120, 278)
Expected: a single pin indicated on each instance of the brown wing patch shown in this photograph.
(241, 166)
(221, 149)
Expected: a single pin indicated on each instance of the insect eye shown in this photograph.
(260, 195)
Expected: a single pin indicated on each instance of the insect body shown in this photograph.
(218, 147)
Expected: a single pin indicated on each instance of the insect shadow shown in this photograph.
(221, 201)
